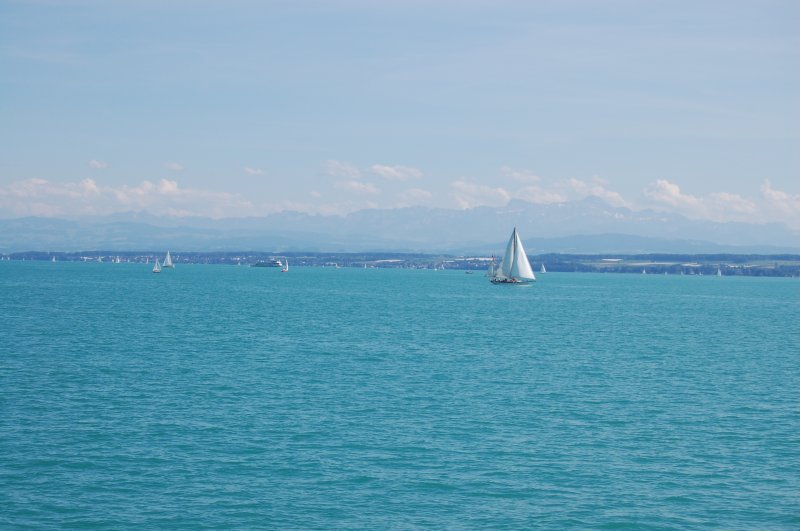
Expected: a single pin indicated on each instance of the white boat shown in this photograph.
(543, 269)
(157, 267)
(285, 268)
(54, 259)
(719, 272)
(117, 260)
(644, 271)
(272, 262)
(515, 267)
(168, 261)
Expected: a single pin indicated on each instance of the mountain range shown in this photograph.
(586, 226)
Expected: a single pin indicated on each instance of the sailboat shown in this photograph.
(515, 267)
(285, 268)
(543, 270)
(157, 267)
(719, 272)
(168, 261)
(54, 259)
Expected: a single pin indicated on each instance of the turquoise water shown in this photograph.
(220, 396)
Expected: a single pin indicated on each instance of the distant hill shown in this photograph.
(587, 226)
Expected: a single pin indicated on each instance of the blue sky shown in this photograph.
(245, 108)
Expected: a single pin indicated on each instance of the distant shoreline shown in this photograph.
(769, 265)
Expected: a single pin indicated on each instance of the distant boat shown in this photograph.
(157, 267)
(54, 259)
(644, 272)
(285, 268)
(274, 262)
(719, 272)
(515, 267)
(117, 260)
(147, 260)
(543, 269)
(168, 261)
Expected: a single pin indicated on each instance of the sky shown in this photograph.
(245, 108)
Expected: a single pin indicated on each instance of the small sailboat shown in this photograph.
(168, 261)
(285, 268)
(515, 267)
(543, 269)
(644, 271)
(54, 259)
(147, 260)
(157, 267)
(719, 272)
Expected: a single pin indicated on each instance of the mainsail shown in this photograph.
(515, 266)
(168, 261)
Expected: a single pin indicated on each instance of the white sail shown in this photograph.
(157, 267)
(168, 261)
(515, 266)
(543, 269)
(285, 265)
(719, 272)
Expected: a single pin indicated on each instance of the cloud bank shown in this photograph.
(349, 191)
(39, 197)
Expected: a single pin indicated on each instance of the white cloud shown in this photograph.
(173, 166)
(253, 171)
(786, 203)
(469, 195)
(336, 168)
(396, 173)
(774, 205)
(535, 194)
(357, 186)
(39, 197)
(663, 192)
(597, 189)
(732, 203)
(98, 164)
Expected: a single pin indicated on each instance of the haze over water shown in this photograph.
(238, 397)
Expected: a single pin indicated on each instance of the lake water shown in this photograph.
(223, 396)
